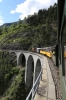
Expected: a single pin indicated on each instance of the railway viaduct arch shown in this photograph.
(32, 62)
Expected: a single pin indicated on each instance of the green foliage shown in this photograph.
(12, 85)
(16, 91)
(7, 70)
(7, 76)
(43, 15)
(15, 70)
(36, 30)
(5, 29)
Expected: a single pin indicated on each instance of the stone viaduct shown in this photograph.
(32, 62)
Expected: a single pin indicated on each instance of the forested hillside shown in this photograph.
(12, 85)
(37, 30)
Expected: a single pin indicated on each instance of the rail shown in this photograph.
(33, 91)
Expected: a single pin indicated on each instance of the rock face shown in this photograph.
(18, 41)
(27, 39)
(11, 46)
(13, 59)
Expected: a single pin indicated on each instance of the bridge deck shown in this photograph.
(46, 90)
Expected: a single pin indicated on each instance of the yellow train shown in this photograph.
(49, 53)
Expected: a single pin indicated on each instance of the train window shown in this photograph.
(64, 49)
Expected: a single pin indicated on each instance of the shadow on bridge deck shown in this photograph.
(46, 90)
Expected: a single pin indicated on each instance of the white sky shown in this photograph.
(0, 0)
(1, 20)
(28, 7)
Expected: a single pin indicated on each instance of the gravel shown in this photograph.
(55, 74)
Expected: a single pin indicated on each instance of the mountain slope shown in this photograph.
(38, 30)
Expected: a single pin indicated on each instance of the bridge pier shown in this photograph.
(30, 71)
(38, 68)
(34, 73)
(32, 63)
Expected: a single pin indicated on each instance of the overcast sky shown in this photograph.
(13, 10)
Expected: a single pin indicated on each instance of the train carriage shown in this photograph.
(61, 45)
